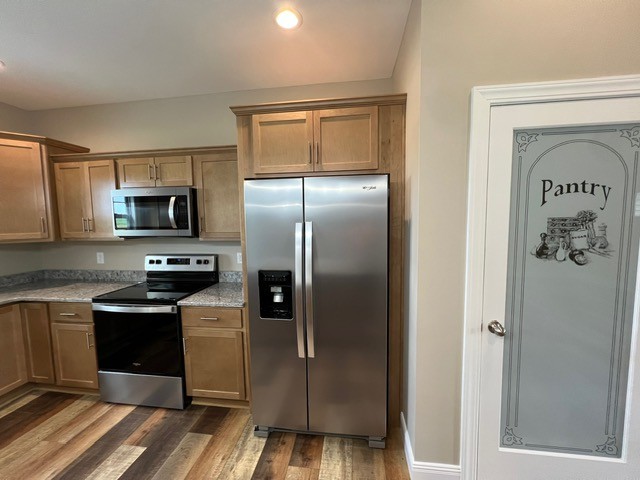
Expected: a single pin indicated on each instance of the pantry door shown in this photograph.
(559, 388)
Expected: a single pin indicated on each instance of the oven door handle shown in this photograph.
(100, 307)
(172, 212)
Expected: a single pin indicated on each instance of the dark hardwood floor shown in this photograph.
(50, 435)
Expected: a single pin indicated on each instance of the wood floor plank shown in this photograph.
(210, 420)
(116, 463)
(300, 473)
(220, 446)
(79, 422)
(307, 452)
(20, 450)
(33, 414)
(244, 457)
(275, 457)
(395, 463)
(149, 425)
(183, 457)
(88, 461)
(336, 459)
(19, 402)
(52, 464)
(161, 441)
(367, 463)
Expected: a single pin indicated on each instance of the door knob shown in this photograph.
(496, 328)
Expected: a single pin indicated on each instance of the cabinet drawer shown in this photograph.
(211, 317)
(70, 312)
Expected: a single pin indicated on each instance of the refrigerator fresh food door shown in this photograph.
(346, 238)
(273, 216)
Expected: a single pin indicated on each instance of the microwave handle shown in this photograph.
(172, 214)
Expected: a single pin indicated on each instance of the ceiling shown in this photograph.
(64, 53)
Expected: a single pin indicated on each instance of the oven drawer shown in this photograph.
(67, 312)
(211, 317)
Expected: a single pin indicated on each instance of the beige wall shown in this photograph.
(407, 79)
(466, 43)
(14, 119)
(201, 120)
(20, 258)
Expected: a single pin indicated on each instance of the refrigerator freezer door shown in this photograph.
(348, 375)
(278, 374)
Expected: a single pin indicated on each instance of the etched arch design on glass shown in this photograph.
(529, 318)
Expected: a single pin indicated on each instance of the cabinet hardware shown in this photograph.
(68, 314)
(201, 224)
(209, 318)
(84, 224)
(317, 152)
(89, 344)
(155, 172)
(89, 225)
(184, 344)
(150, 172)
(310, 153)
(43, 225)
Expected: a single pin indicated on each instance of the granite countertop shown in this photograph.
(224, 294)
(219, 295)
(58, 291)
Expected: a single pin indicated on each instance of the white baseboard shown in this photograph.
(426, 470)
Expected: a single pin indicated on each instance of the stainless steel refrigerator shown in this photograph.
(317, 263)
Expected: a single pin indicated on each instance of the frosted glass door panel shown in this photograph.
(573, 251)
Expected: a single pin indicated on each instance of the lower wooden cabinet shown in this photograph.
(214, 352)
(74, 354)
(13, 370)
(37, 342)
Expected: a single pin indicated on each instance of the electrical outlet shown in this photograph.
(239, 258)
(100, 257)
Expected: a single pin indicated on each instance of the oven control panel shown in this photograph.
(181, 263)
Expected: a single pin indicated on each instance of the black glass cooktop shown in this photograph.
(153, 293)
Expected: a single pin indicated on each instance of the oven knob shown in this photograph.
(151, 262)
(158, 262)
(206, 262)
(199, 262)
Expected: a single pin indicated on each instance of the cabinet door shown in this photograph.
(100, 179)
(136, 172)
(70, 188)
(346, 139)
(13, 370)
(37, 342)
(174, 171)
(216, 177)
(74, 355)
(214, 363)
(282, 142)
(23, 207)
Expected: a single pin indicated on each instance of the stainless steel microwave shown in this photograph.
(154, 212)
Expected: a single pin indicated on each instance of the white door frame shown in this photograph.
(483, 99)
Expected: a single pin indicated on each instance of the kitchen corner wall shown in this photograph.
(193, 121)
(459, 45)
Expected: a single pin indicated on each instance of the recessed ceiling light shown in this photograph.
(288, 18)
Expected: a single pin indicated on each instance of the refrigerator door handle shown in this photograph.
(298, 286)
(308, 282)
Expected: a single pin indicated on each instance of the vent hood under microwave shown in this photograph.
(154, 212)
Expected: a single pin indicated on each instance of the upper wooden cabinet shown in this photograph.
(315, 141)
(216, 178)
(27, 209)
(318, 137)
(170, 171)
(84, 199)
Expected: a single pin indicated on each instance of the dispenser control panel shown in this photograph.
(276, 294)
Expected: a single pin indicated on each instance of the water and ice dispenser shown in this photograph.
(276, 294)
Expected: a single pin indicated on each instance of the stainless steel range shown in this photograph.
(138, 332)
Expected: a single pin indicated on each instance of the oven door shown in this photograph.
(139, 339)
(153, 212)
